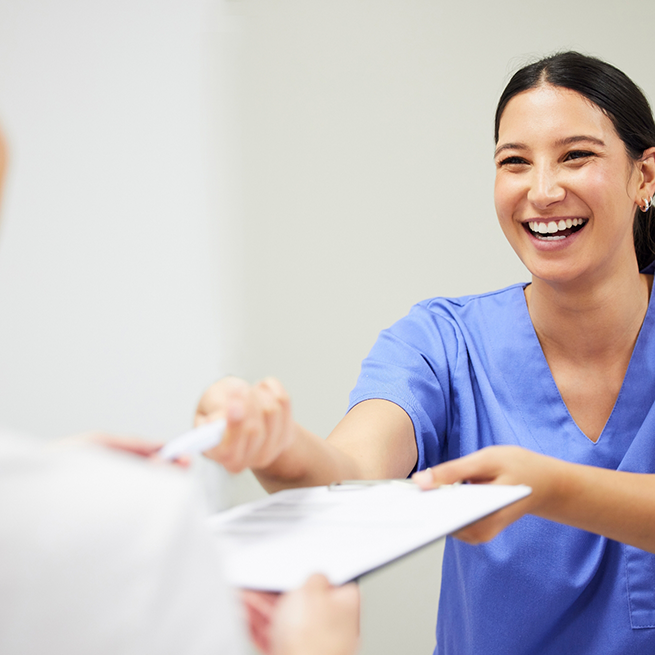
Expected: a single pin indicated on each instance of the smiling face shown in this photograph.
(566, 189)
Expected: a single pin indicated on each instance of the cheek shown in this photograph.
(507, 195)
(593, 183)
(602, 185)
(499, 198)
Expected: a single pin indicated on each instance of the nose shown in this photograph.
(545, 187)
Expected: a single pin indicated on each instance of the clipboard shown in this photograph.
(344, 531)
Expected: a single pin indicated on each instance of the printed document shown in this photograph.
(344, 531)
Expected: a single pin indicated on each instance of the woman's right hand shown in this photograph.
(259, 428)
(509, 465)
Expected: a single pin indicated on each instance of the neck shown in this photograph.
(589, 321)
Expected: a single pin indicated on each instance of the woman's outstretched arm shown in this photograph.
(374, 440)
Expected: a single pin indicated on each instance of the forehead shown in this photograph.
(547, 112)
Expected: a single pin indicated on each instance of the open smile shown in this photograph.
(555, 230)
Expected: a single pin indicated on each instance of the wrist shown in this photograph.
(288, 467)
(561, 480)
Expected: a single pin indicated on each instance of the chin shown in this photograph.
(557, 273)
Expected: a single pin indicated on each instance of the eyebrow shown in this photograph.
(569, 140)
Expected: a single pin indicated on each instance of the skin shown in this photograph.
(558, 157)
(615, 504)
(374, 440)
(316, 619)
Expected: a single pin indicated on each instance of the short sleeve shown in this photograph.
(410, 365)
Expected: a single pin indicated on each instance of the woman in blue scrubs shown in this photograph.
(549, 383)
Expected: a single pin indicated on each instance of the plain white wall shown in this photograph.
(108, 270)
(368, 185)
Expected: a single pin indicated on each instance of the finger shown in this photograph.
(266, 433)
(235, 407)
(348, 596)
(260, 606)
(253, 431)
(273, 401)
(446, 473)
(481, 466)
(183, 461)
(274, 387)
(261, 427)
(317, 583)
(212, 404)
(259, 630)
(134, 445)
(263, 602)
(278, 421)
(487, 528)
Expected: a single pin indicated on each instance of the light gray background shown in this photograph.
(256, 187)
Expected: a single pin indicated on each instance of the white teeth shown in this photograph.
(553, 227)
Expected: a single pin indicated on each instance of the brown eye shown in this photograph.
(578, 154)
(512, 160)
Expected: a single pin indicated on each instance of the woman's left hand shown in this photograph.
(498, 465)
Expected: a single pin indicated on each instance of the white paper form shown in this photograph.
(276, 543)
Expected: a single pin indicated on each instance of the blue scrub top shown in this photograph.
(470, 373)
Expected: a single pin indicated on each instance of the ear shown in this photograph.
(646, 167)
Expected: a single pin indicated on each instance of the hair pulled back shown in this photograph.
(617, 96)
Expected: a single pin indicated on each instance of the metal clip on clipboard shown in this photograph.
(353, 485)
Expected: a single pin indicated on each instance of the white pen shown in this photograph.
(194, 441)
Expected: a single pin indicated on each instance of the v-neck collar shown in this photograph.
(536, 396)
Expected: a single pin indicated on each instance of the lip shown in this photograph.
(545, 245)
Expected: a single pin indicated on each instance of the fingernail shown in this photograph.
(423, 477)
